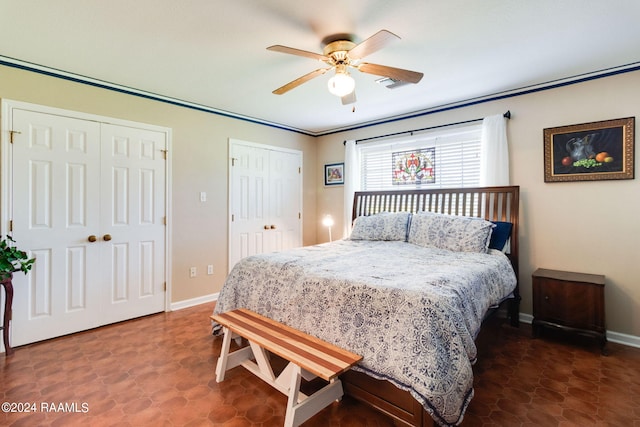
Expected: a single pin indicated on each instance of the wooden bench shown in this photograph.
(308, 357)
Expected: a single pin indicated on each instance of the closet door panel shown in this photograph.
(55, 202)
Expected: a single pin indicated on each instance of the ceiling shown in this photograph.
(212, 53)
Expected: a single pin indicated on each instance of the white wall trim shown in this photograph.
(616, 337)
(526, 318)
(179, 305)
(624, 339)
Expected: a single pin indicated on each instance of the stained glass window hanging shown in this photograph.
(414, 167)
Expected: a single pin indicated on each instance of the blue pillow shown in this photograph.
(500, 235)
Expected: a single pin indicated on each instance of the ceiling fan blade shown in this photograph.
(392, 83)
(376, 42)
(394, 73)
(297, 82)
(298, 52)
(349, 98)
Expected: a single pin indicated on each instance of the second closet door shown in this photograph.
(265, 200)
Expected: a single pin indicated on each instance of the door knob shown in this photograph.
(273, 227)
(92, 238)
(266, 227)
(106, 237)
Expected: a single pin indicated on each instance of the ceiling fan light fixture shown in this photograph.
(340, 54)
(341, 84)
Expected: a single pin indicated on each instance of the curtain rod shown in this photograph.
(506, 115)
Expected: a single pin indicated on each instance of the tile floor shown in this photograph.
(158, 370)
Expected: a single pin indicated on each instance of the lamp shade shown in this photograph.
(327, 221)
(341, 84)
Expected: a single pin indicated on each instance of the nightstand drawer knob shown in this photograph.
(546, 297)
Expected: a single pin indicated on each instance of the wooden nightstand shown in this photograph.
(573, 302)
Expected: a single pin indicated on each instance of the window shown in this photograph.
(443, 159)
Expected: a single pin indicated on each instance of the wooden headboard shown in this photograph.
(490, 203)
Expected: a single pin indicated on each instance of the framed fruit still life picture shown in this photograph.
(590, 151)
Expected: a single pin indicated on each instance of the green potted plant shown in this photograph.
(13, 259)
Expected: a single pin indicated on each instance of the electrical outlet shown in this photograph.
(210, 269)
(203, 196)
(192, 272)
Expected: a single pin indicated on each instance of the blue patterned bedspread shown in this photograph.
(412, 312)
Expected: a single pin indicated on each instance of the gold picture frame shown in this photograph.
(590, 151)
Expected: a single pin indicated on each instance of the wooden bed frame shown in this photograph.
(491, 203)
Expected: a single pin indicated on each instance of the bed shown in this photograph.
(407, 291)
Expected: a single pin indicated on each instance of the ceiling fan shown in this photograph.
(340, 54)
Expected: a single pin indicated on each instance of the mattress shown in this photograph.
(412, 312)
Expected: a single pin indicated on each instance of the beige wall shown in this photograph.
(199, 163)
(589, 227)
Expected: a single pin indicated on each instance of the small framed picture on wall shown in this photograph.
(334, 174)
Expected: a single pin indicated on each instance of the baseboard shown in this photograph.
(179, 305)
(624, 339)
(616, 337)
(525, 318)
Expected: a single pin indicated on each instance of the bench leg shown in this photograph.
(243, 356)
(299, 412)
(221, 365)
(299, 406)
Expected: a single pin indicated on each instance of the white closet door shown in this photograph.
(131, 226)
(88, 202)
(249, 202)
(56, 207)
(285, 204)
(265, 200)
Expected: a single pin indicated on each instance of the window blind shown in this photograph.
(456, 161)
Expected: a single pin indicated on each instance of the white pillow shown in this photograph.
(455, 233)
(381, 226)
